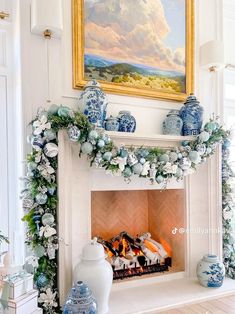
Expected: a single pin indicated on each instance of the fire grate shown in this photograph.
(140, 271)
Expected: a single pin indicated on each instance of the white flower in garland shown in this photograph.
(46, 169)
(121, 162)
(48, 298)
(38, 157)
(169, 168)
(47, 231)
(32, 260)
(227, 214)
(41, 124)
(146, 168)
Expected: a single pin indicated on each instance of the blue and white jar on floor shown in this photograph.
(172, 125)
(111, 124)
(80, 300)
(191, 114)
(127, 122)
(93, 103)
(210, 271)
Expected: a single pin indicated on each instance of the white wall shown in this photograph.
(229, 27)
(10, 141)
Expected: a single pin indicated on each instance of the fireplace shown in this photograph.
(136, 228)
(191, 203)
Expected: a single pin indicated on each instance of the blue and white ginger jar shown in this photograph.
(127, 122)
(111, 124)
(172, 125)
(80, 300)
(93, 103)
(191, 114)
(210, 271)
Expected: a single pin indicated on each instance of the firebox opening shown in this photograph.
(137, 228)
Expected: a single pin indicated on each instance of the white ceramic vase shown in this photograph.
(96, 272)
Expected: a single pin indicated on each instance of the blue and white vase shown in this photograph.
(172, 125)
(210, 271)
(93, 103)
(127, 122)
(191, 114)
(111, 124)
(80, 300)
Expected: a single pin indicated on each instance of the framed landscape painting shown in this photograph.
(142, 48)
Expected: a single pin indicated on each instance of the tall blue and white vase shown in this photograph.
(191, 114)
(80, 300)
(210, 271)
(172, 125)
(127, 122)
(93, 103)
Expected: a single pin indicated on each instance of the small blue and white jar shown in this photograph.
(172, 125)
(127, 122)
(111, 124)
(80, 300)
(210, 271)
(191, 114)
(93, 103)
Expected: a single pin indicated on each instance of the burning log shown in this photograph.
(121, 262)
(127, 237)
(146, 238)
(108, 247)
(153, 257)
(142, 260)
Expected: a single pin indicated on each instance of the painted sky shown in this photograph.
(149, 32)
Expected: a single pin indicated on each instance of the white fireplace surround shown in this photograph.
(77, 179)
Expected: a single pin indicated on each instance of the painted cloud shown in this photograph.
(131, 31)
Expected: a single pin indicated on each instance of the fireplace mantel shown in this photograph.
(76, 181)
(138, 139)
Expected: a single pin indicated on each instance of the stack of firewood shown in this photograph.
(125, 251)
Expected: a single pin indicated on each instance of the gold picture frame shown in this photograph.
(78, 59)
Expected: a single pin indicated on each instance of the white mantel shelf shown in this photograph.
(140, 139)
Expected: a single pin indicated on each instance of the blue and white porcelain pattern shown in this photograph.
(80, 300)
(210, 271)
(127, 122)
(172, 125)
(191, 114)
(111, 124)
(93, 103)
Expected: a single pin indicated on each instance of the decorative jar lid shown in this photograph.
(124, 112)
(80, 290)
(191, 99)
(110, 118)
(211, 258)
(173, 112)
(93, 251)
(92, 84)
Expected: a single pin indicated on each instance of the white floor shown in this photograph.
(157, 297)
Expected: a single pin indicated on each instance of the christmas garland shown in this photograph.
(228, 211)
(40, 194)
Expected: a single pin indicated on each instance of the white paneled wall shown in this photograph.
(229, 27)
(10, 132)
(3, 158)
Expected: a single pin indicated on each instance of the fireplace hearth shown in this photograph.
(135, 256)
